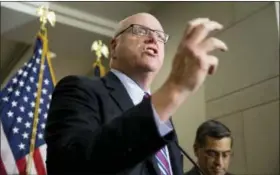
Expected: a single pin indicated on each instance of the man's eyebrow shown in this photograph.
(218, 151)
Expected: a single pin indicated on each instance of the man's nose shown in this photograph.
(152, 38)
(219, 160)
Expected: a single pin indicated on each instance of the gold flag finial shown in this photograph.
(100, 49)
(46, 16)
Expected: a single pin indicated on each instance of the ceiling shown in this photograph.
(78, 25)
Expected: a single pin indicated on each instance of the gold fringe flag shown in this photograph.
(24, 104)
(100, 49)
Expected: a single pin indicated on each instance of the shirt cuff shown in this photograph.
(163, 127)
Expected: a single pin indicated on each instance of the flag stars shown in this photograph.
(21, 83)
(31, 79)
(30, 114)
(28, 88)
(40, 136)
(14, 103)
(15, 130)
(43, 125)
(44, 91)
(25, 98)
(15, 80)
(32, 104)
(45, 116)
(29, 65)
(34, 69)
(46, 81)
(21, 146)
(27, 124)
(35, 94)
(37, 60)
(20, 72)
(17, 93)
(19, 119)
(10, 89)
(10, 114)
(21, 108)
(50, 97)
(41, 101)
(25, 74)
(25, 135)
(5, 99)
(40, 51)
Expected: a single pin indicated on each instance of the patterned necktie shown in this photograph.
(161, 156)
(162, 161)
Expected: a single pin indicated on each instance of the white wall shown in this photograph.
(244, 94)
(26, 57)
(277, 15)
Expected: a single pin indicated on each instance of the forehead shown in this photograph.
(144, 20)
(223, 144)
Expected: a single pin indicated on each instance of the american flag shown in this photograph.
(17, 106)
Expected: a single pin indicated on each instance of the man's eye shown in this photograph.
(141, 31)
(211, 153)
(227, 154)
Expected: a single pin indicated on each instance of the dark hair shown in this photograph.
(213, 129)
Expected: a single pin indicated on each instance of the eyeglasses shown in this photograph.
(145, 31)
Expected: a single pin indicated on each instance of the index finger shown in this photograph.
(200, 32)
(194, 23)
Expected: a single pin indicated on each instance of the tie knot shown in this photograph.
(147, 95)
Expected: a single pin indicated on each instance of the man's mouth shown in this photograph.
(218, 171)
(151, 50)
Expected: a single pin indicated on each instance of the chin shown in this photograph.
(148, 67)
(217, 173)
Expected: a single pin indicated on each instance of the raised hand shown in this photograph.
(192, 61)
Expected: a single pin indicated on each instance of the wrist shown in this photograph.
(176, 88)
(168, 99)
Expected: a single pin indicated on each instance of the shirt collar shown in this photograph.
(134, 91)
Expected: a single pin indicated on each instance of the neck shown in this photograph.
(143, 79)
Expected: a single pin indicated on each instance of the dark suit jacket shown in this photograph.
(194, 171)
(94, 128)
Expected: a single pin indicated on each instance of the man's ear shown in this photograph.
(195, 149)
(112, 48)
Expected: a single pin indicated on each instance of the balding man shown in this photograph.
(114, 125)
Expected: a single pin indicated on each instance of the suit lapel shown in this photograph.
(120, 96)
(193, 171)
(118, 91)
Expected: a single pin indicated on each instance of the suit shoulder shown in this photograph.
(192, 172)
(79, 81)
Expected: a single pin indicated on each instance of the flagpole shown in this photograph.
(43, 12)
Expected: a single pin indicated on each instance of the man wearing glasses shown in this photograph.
(213, 149)
(114, 125)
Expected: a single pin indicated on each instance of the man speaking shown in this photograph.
(113, 125)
